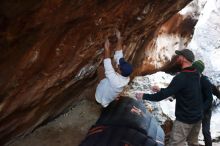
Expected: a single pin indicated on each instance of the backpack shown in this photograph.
(125, 122)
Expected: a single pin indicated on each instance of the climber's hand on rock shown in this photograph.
(118, 34)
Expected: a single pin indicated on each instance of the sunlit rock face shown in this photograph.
(50, 51)
(175, 34)
(206, 39)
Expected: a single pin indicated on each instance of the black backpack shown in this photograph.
(125, 122)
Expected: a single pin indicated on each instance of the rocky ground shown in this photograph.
(67, 130)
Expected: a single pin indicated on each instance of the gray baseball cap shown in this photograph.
(188, 54)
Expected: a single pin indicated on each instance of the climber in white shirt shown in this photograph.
(112, 85)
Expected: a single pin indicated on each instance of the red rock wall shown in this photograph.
(177, 31)
(50, 51)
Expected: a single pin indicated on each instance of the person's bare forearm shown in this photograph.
(119, 43)
(107, 53)
(107, 50)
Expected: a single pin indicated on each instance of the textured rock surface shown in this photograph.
(68, 129)
(50, 51)
(173, 35)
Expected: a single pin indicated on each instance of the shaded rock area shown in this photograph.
(66, 130)
(50, 52)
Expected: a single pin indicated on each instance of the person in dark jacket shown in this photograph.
(186, 89)
(207, 90)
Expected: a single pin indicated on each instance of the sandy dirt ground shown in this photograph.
(67, 130)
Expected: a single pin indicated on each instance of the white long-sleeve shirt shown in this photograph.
(113, 83)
